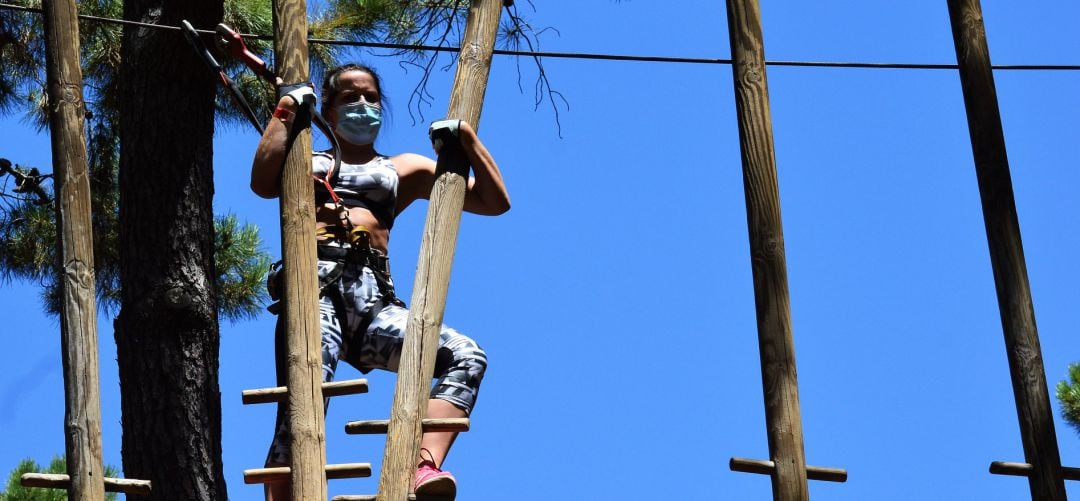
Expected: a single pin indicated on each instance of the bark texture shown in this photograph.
(167, 331)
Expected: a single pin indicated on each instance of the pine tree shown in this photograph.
(1068, 393)
(27, 229)
(14, 491)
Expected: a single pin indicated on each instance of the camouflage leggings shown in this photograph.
(369, 334)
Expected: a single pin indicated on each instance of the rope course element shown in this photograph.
(584, 55)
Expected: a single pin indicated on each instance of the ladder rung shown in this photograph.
(766, 467)
(1025, 470)
(281, 473)
(279, 394)
(63, 481)
(372, 497)
(381, 425)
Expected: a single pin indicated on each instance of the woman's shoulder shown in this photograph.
(408, 163)
(321, 161)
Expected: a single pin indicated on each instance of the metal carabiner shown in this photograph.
(192, 37)
(231, 43)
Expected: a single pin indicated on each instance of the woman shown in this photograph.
(361, 319)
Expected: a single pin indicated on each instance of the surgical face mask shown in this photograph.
(358, 123)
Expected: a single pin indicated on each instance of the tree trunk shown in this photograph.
(167, 331)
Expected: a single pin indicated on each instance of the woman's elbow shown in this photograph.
(500, 207)
(264, 190)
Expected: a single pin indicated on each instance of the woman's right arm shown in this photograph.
(270, 155)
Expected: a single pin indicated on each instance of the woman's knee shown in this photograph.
(461, 358)
(460, 367)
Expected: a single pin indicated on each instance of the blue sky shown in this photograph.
(615, 299)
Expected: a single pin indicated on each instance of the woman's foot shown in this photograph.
(432, 481)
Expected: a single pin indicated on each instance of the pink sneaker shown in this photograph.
(432, 481)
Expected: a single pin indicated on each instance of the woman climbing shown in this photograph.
(361, 319)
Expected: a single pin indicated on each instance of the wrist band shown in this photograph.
(283, 114)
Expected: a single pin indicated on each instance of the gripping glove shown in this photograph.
(442, 131)
(302, 93)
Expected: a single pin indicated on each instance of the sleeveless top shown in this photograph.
(372, 185)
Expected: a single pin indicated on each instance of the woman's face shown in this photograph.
(355, 86)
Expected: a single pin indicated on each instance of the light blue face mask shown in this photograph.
(358, 123)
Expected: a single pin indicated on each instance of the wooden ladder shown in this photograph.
(416, 368)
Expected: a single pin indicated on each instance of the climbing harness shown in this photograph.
(358, 250)
(350, 247)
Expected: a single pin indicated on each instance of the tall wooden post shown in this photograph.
(436, 256)
(1006, 251)
(78, 321)
(778, 375)
(305, 403)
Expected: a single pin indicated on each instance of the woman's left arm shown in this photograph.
(486, 193)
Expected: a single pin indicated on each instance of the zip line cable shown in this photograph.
(577, 55)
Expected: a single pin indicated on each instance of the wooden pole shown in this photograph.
(305, 402)
(78, 320)
(436, 256)
(1006, 251)
(775, 343)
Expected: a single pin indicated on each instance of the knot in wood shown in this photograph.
(774, 246)
(471, 53)
(71, 94)
(973, 23)
(80, 273)
(177, 297)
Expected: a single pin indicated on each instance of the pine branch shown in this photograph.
(1068, 393)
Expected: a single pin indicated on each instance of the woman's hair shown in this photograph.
(331, 88)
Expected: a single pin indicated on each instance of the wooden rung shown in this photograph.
(281, 473)
(372, 497)
(381, 425)
(766, 467)
(1025, 469)
(63, 481)
(363, 497)
(279, 394)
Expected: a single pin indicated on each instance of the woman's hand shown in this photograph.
(486, 193)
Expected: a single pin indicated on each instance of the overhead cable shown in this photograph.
(579, 55)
